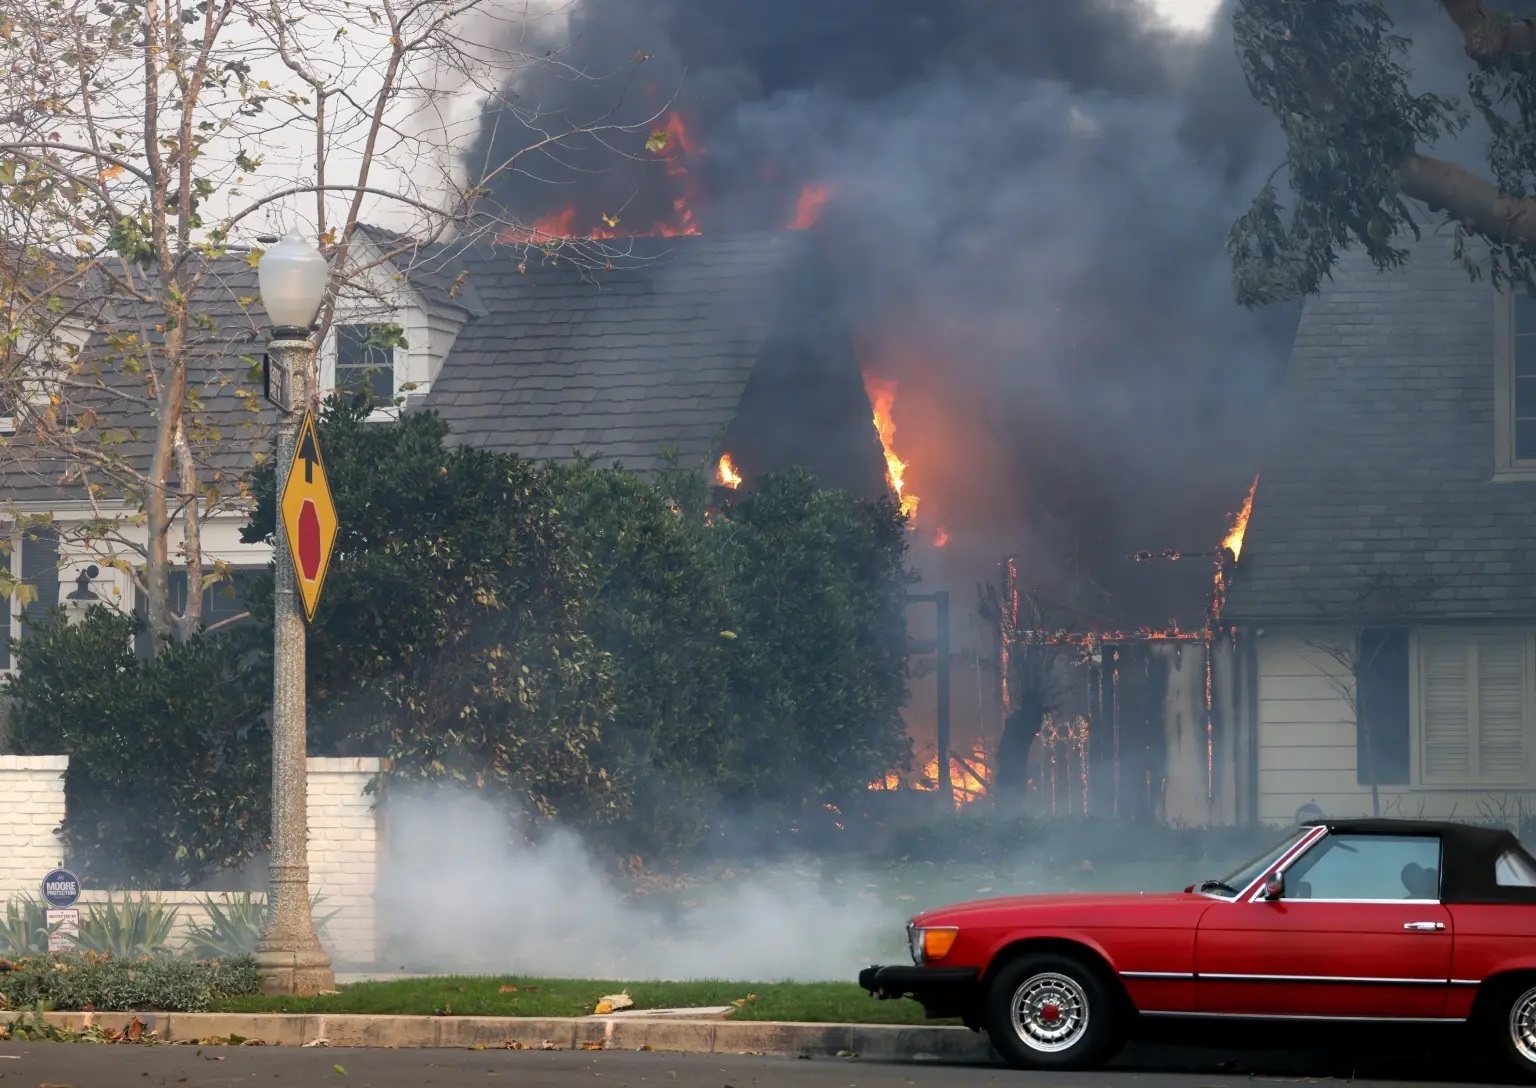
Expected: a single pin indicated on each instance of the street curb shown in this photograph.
(880, 1042)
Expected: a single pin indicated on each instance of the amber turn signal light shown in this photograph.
(938, 942)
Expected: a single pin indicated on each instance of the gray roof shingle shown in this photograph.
(619, 363)
(229, 424)
(1376, 500)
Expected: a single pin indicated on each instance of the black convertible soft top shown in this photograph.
(1468, 855)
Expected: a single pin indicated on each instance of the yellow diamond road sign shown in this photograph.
(309, 516)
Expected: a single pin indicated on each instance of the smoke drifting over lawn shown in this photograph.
(457, 896)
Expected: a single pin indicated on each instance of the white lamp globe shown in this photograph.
(291, 276)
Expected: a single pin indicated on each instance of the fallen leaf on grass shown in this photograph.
(340, 1072)
(610, 1002)
(507, 990)
(743, 1002)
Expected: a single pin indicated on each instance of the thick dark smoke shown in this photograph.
(1029, 207)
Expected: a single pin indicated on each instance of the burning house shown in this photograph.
(925, 266)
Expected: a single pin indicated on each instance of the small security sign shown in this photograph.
(61, 889)
(63, 930)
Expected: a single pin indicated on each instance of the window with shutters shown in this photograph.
(1476, 701)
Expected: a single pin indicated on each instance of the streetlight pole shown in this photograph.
(289, 957)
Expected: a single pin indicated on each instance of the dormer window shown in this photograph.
(365, 361)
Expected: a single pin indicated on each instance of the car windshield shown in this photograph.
(1234, 882)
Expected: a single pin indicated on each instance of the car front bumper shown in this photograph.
(943, 992)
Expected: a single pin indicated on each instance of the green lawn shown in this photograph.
(458, 995)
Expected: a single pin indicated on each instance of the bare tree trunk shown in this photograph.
(157, 553)
(191, 619)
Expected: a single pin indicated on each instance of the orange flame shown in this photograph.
(1234, 538)
(727, 473)
(941, 538)
(813, 198)
(677, 167)
(968, 774)
(882, 395)
(674, 145)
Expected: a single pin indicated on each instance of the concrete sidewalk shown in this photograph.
(631, 1032)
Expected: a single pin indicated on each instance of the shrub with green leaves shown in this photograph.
(127, 929)
(169, 759)
(235, 926)
(24, 929)
(68, 983)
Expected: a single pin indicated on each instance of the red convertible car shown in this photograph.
(1343, 920)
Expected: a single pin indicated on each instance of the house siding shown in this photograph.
(439, 331)
(1307, 744)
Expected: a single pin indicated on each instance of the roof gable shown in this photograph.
(621, 363)
(1376, 501)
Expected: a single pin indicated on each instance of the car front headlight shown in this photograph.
(930, 944)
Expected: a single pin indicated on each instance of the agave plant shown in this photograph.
(235, 926)
(127, 930)
(24, 930)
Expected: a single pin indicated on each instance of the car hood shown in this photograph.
(1065, 905)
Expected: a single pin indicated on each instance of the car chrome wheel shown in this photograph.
(1522, 1025)
(1050, 1012)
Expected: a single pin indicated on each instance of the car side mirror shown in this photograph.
(1274, 887)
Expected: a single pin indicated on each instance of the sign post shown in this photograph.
(61, 891)
(309, 516)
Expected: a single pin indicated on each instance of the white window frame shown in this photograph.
(1472, 781)
(329, 354)
(1505, 465)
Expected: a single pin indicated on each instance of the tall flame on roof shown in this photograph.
(882, 394)
(1233, 541)
(674, 135)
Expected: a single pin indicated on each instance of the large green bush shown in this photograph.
(660, 608)
(818, 583)
(170, 761)
(449, 636)
(587, 643)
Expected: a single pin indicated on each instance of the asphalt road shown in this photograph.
(85, 1065)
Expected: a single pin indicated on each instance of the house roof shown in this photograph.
(1376, 501)
(115, 405)
(621, 363)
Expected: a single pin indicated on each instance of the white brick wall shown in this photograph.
(343, 847)
(31, 810)
(344, 854)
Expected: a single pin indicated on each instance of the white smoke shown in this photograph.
(458, 897)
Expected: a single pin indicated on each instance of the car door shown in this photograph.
(1359, 931)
